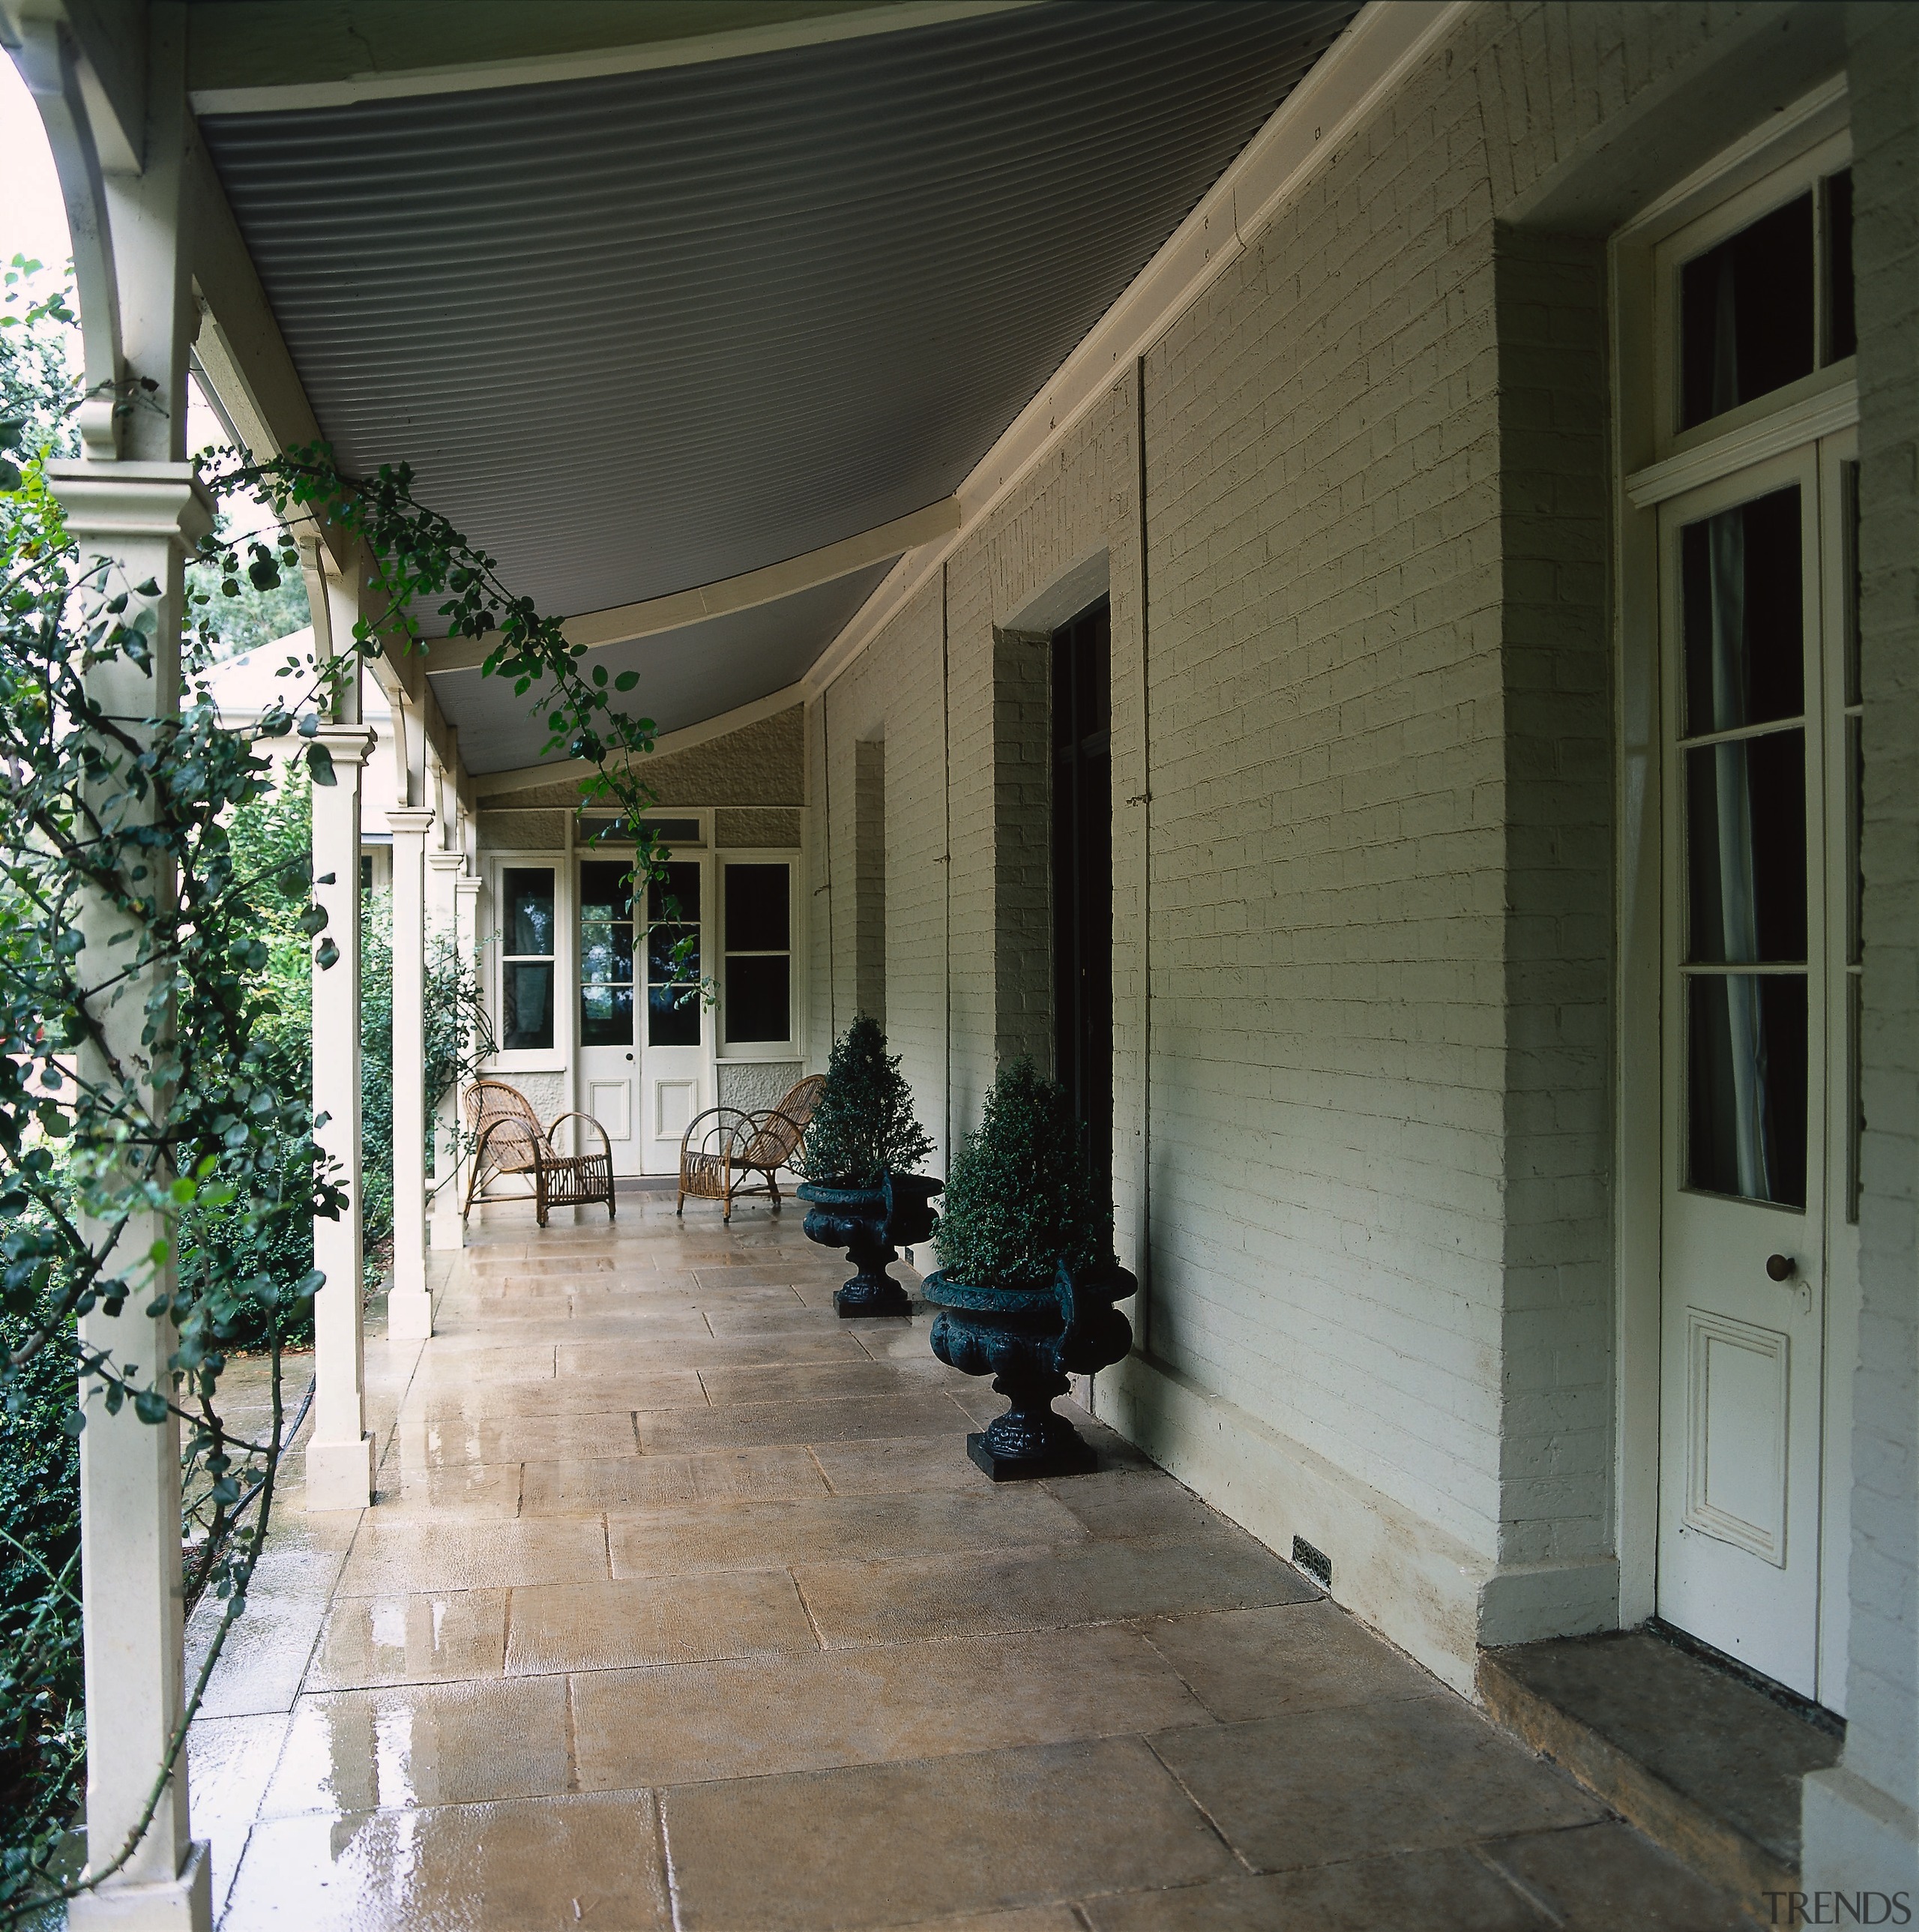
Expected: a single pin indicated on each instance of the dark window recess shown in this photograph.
(366, 872)
(1743, 616)
(1083, 880)
(1314, 1562)
(605, 954)
(673, 998)
(527, 968)
(758, 962)
(1745, 313)
(1745, 1110)
(1842, 322)
(674, 831)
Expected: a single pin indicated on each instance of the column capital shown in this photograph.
(354, 743)
(466, 885)
(162, 501)
(410, 821)
(448, 862)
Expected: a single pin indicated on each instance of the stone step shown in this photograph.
(1700, 1757)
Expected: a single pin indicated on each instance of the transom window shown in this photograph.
(1768, 304)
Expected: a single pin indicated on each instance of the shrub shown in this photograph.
(1021, 1197)
(865, 1126)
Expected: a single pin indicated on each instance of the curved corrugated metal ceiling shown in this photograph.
(641, 332)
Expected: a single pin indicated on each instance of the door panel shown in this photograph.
(1745, 1055)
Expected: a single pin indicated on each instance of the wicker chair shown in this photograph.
(716, 1159)
(507, 1138)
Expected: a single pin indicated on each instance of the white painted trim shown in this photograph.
(525, 777)
(625, 623)
(1384, 43)
(1836, 408)
(534, 69)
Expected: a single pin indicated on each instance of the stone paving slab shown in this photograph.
(681, 1606)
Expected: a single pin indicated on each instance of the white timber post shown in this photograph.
(134, 501)
(340, 1454)
(409, 1311)
(448, 1229)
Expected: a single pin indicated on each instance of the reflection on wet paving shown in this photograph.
(681, 1606)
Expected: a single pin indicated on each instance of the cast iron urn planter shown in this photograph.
(1029, 1340)
(872, 1224)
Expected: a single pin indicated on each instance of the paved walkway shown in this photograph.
(681, 1606)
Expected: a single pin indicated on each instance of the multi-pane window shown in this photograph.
(673, 977)
(526, 961)
(759, 953)
(1769, 305)
(606, 953)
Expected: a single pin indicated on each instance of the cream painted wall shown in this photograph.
(1362, 812)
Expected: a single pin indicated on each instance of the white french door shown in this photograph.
(676, 1051)
(609, 1043)
(1759, 1224)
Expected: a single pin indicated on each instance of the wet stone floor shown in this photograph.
(680, 1605)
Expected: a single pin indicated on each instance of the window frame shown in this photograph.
(559, 1058)
(746, 1052)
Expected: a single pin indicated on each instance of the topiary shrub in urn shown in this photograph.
(861, 1148)
(1027, 1277)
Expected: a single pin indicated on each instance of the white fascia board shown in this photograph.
(526, 778)
(625, 623)
(532, 68)
(1385, 42)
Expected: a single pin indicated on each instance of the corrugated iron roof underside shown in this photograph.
(641, 332)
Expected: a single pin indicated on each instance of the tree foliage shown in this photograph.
(149, 870)
(1021, 1197)
(864, 1126)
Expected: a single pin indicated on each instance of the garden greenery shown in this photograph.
(1021, 1197)
(864, 1126)
(142, 874)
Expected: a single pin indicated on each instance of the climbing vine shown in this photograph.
(155, 1153)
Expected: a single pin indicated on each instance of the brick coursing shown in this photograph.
(1370, 888)
(1882, 1738)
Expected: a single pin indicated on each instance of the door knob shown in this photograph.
(1781, 1267)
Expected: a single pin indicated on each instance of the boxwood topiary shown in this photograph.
(1021, 1197)
(864, 1126)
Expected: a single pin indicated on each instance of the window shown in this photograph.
(1767, 304)
(758, 954)
(527, 961)
(606, 953)
(672, 987)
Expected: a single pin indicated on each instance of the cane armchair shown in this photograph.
(508, 1139)
(725, 1148)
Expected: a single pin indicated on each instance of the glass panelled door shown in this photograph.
(676, 1058)
(609, 1051)
(1756, 1057)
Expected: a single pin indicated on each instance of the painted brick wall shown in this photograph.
(1884, 1689)
(1361, 737)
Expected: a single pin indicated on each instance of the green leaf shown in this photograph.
(626, 680)
(149, 1405)
(327, 955)
(319, 762)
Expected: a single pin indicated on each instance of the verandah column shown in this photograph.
(340, 1454)
(135, 501)
(409, 1314)
(444, 872)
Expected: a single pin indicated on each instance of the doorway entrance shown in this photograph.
(645, 1059)
(1760, 1234)
(1082, 880)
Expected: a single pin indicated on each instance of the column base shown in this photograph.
(446, 1228)
(409, 1314)
(182, 1904)
(339, 1475)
